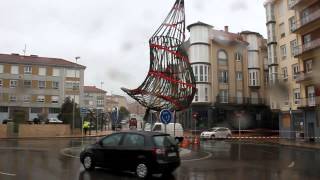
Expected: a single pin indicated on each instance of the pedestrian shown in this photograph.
(85, 127)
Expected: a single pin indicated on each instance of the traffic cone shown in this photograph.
(196, 141)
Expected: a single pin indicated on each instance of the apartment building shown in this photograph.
(113, 101)
(33, 85)
(293, 47)
(231, 75)
(94, 98)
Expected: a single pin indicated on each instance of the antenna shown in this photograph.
(25, 49)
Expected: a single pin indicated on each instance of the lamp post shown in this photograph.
(74, 98)
(102, 107)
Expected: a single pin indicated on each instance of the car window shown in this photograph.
(133, 140)
(157, 127)
(112, 140)
(164, 141)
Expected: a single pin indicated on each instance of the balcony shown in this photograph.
(302, 76)
(273, 61)
(293, 3)
(309, 102)
(239, 100)
(306, 22)
(299, 50)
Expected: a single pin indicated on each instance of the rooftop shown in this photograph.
(37, 60)
(93, 89)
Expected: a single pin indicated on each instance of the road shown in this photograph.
(56, 159)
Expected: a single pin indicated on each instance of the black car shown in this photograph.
(144, 153)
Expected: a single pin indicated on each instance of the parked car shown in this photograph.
(216, 132)
(169, 128)
(5, 121)
(54, 121)
(147, 127)
(144, 153)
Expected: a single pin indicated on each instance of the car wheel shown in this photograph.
(88, 163)
(213, 137)
(228, 136)
(142, 170)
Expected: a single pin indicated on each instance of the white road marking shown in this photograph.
(7, 174)
(199, 159)
(63, 152)
(291, 165)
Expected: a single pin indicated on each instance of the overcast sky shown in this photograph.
(110, 36)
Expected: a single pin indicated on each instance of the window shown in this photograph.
(133, 140)
(157, 127)
(305, 16)
(239, 76)
(27, 83)
(196, 73)
(285, 73)
(292, 23)
(206, 70)
(307, 39)
(54, 110)
(27, 69)
(13, 83)
(196, 96)
(296, 93)
(1, 83)
(282, 30)
(4, 109)
(55, 72)
(13, 98)
(283, 51)
(73, 73)
(206, 94)
(295, 71)
(26, 98)
(42, 84)
(293, 47)
(223, 77)
(14, 69)
(40, 98)
(223, 96)
(1, 68)
(100, 102)
(308, 66)
(73, 85)
(164, 141)
(311, 96)
(238, 56)
(112, 140)
(254, 78)
(54, 99)
(222, 57)
(42, 71)
(36, 110)
(239, 97)
(201, 73)
(55, 85)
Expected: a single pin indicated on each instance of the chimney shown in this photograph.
(226, 28)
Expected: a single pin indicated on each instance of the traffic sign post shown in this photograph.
(165, 118)
(83, 113)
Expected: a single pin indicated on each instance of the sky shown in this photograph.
(110, 36)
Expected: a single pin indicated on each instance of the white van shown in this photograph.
(178, 134)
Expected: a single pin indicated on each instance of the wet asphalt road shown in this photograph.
(56, 159)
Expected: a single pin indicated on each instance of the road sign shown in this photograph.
(83, 111)
(165, 116)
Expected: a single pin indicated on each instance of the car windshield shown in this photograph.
(164, 141)
(213, 129)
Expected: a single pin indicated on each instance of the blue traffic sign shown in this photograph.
(83, 111)
(165, 116)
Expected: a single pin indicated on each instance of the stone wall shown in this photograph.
(44, 130)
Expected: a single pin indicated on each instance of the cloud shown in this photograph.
(239, 5)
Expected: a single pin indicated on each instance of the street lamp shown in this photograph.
(74, 97)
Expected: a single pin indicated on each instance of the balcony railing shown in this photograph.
(302, 76)
(298, 50)
(294, 3)
(239, 100)
(309, 102)
(306, 20)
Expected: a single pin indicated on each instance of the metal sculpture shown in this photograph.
(170, 83)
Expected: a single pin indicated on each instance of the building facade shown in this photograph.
(94, 98)
(34, 85)
(230, 71)
(112, 101)
(293, 47)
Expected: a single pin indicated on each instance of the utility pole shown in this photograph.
(74, 99)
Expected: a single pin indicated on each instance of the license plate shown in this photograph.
(172, 154)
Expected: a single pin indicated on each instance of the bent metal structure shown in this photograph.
(170, 83)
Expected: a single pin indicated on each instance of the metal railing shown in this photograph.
(239, 100)
(312, 101)
(302, 76)
(306, 20)
(298, 50)
(294, 3)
